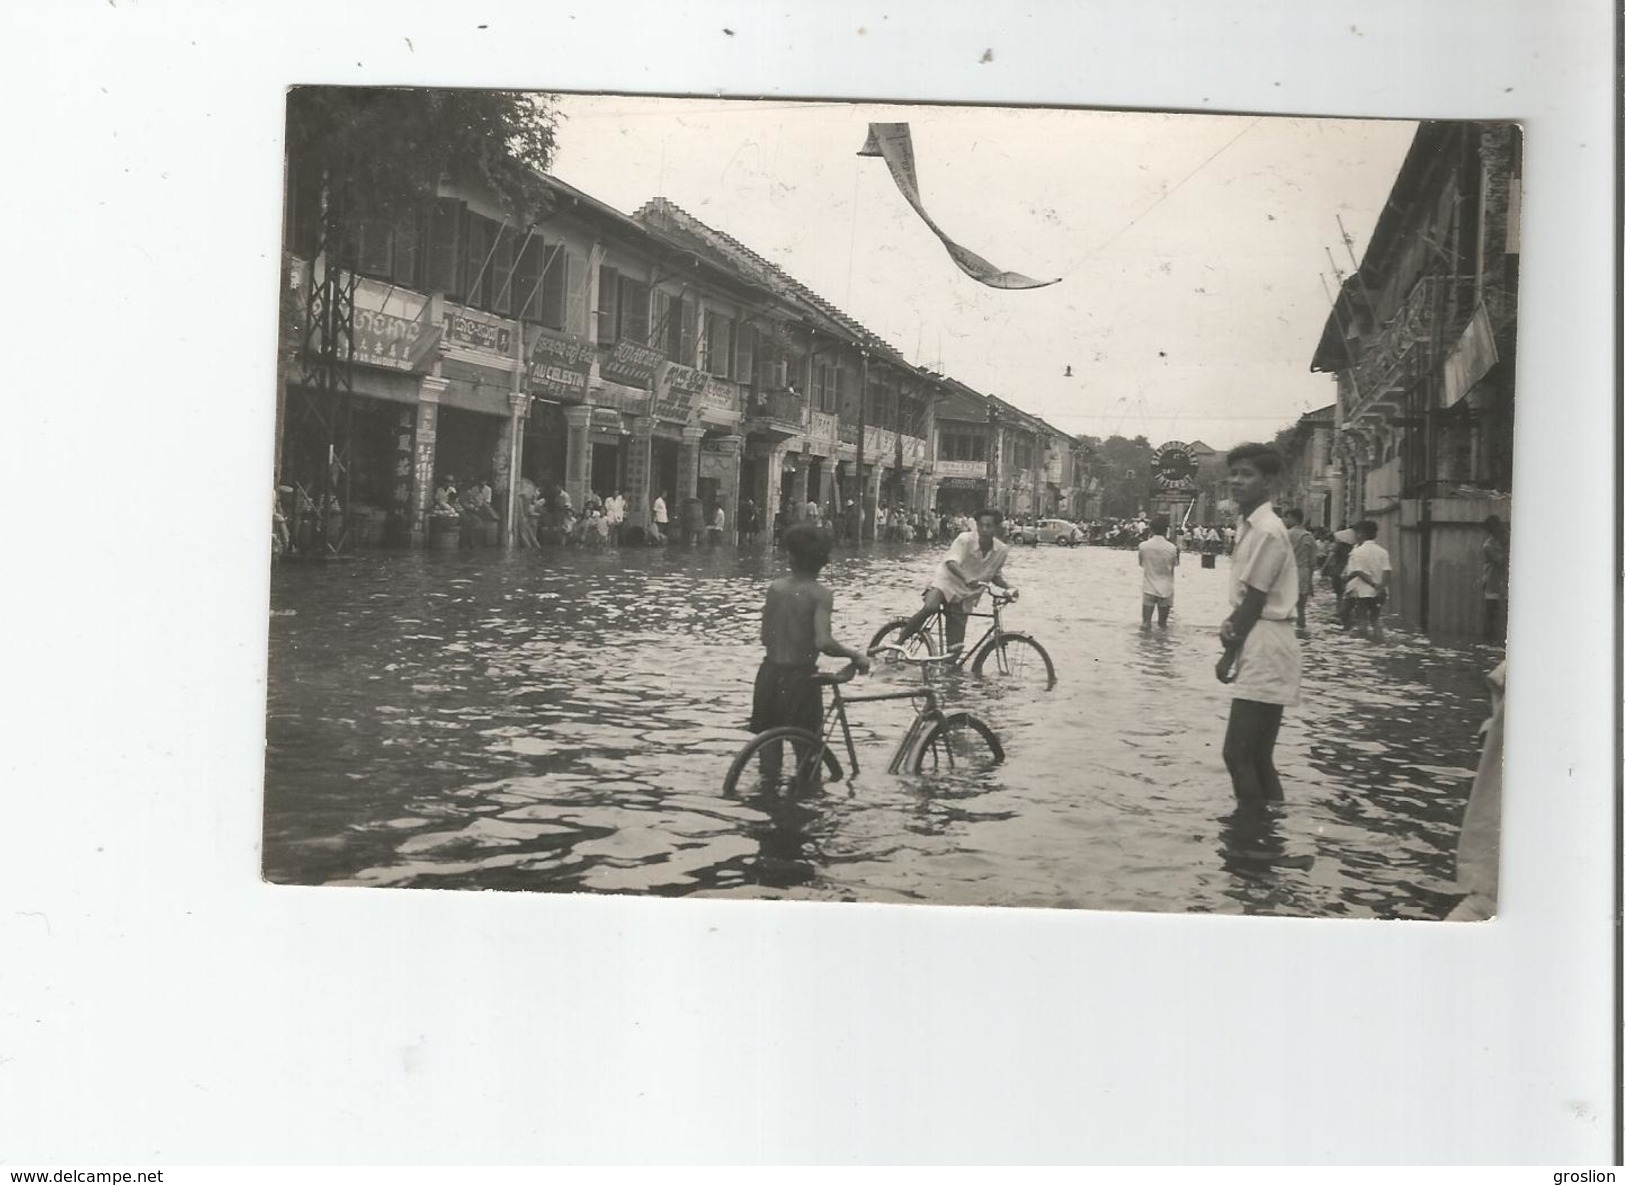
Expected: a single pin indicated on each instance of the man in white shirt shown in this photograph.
(615, 515)
(1366, 579)
(1158, 559)
(975, 560)
(1261, 660)
(658, 510)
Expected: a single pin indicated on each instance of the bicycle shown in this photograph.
(790, 759)
(1010, 655)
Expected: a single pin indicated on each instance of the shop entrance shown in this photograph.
(663, 467)
(606, 468)
(545, 445)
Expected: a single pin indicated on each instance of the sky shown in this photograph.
(1191, 249)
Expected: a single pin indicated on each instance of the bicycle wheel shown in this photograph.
(781, 762)
(960, 743)
(1018, 660)
(888, 634)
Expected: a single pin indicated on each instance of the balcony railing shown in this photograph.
(1435, 310)
(777, 407)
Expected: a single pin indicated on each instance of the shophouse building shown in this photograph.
(1422, 341)
(592, 352)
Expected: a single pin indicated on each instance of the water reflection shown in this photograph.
(562, 722)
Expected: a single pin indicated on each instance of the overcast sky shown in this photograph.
(1191, 248)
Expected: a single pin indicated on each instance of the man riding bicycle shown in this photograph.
(975, 560)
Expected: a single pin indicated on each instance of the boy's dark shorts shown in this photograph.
(787, 694)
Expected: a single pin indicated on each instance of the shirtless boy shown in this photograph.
(795, 631)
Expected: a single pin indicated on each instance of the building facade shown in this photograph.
(591, 352)
(1422, 341)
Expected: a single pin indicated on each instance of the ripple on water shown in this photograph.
(550, 721)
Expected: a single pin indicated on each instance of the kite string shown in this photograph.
(1169, 192)
(852, 246)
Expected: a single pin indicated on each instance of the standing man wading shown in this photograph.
(1261, 660)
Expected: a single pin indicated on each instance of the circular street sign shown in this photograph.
(1173, 466)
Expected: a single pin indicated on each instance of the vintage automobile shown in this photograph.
(1057, 530)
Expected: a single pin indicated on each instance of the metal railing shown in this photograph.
(1435, 310)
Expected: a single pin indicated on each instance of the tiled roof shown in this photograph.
(666, 215)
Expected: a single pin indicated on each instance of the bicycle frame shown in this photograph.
(836, 714)
(992, 634)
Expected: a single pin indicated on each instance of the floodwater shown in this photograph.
(561, 721)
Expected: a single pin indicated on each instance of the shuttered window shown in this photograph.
(745, 353)
(634, 326)
(526, 301)
(578, 291)
(551, 313)
(719, 345)
(373, 248)
(476, 273)
(444, 248)
(688, 341)
(502, 297)
(404, 256)
(609, 304)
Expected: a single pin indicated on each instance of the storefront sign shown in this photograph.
(677, 389)
(879, 440)
(962, 483)
(561, 348)
(962, 469)
(821, 430)
(564, 383)
(684, 378)
(631, 363)
(720, 396)
(560, 365)
(476, 333)
(606, 419)
(383, 339)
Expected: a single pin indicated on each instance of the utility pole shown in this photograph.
(863, 401)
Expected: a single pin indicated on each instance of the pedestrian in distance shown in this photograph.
(1335, 569)
(1261, 660)
(659, 518)
(749, 522)
(1303, 554)
(1366, 581)
(718, 523)
(797, 617)
(1158, 558)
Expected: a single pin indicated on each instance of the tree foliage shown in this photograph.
(381, 152)
(1123, 466)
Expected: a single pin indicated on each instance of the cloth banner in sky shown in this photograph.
(891, 141)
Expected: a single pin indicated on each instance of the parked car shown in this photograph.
(1058, 530)
(1021, 531)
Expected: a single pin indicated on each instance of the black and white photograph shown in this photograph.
(672, 498)
(836, 584)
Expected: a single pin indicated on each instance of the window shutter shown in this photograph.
(688, 342)
(745, 353)
(659, 321)
(373, 253)
(527, 269)
(609, 302)
(555, 266)
(404, 263)
(634, 325)
(445, 247)
(578, 291)
(476, 273)
(502, 273)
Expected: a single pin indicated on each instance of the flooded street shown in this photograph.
(562, 721)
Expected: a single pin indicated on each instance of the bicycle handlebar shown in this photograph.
(844, 675)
